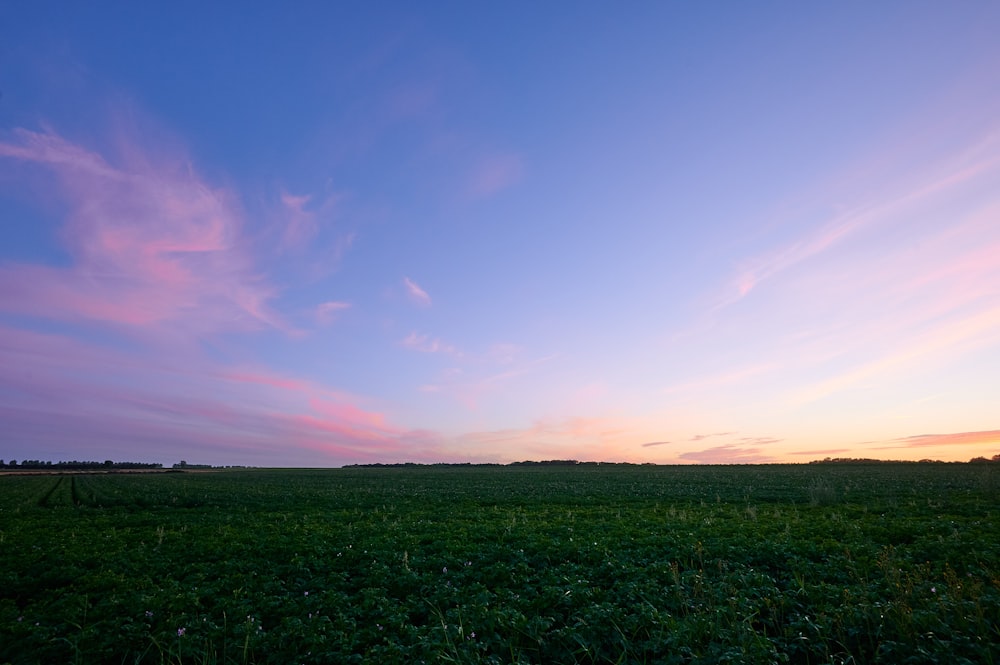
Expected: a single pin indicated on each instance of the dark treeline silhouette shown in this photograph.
(184, 465)
(74, 465)
(407, 465)
(553, 462)
(570, 462)
(864, 460)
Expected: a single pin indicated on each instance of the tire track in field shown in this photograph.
(44, 501)
(74, 492)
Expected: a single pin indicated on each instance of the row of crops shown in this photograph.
(604, 564)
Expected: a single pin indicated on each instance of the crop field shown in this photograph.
(828, 563)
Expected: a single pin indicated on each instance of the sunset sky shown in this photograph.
(324, 233)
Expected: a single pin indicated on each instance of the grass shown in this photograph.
(586, 564)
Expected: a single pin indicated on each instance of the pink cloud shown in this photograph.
(349, 414)
(760, 440)
(159, 260)
(326, 311)
(71, 398)
(900, 290)
(152, 245)
(494, 174)
(946, 338)
(410, 100)
(301, 224)
(424, 344)
(952, 439)
(503, 353)
(945, 178)
(417, 294)
(727, 454)
(700, 437)
(270, 380)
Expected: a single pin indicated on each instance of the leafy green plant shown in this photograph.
(586, 564)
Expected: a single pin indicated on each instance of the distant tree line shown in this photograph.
(570, 462)
(554, 462)
(74, 465)
(184, 465)
(864, 460)
(407, 465)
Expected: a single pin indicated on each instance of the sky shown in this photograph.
(313, 234)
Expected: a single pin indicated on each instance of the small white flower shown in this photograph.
(444, 570)
(181, 631)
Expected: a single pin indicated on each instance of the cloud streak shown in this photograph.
(160, 263)
(327, 311)
(423, 343)
(727, 454)
(417, 295)
(301, 224)
(111, 401)
(951, 439)
(152, 245)
(950, 176)
(495, 174)
(702, 437)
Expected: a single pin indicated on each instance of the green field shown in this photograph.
(890, 563)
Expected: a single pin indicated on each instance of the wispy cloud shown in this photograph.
(759, 440)
(944, 179)
(416, 294)
(116, 402)
(151, 245)
(301, 224)
(494, 174)
(727, 454)
(701, 437)
(425, 344)
(952, 439)
(325, 312)
(305, 235)
(655, 443)
(899, 286)
(160, 263)
(944, 338)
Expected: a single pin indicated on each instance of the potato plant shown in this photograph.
(848, 563)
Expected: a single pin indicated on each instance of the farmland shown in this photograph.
(886, 563)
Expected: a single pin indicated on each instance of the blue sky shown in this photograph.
(339, 233)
